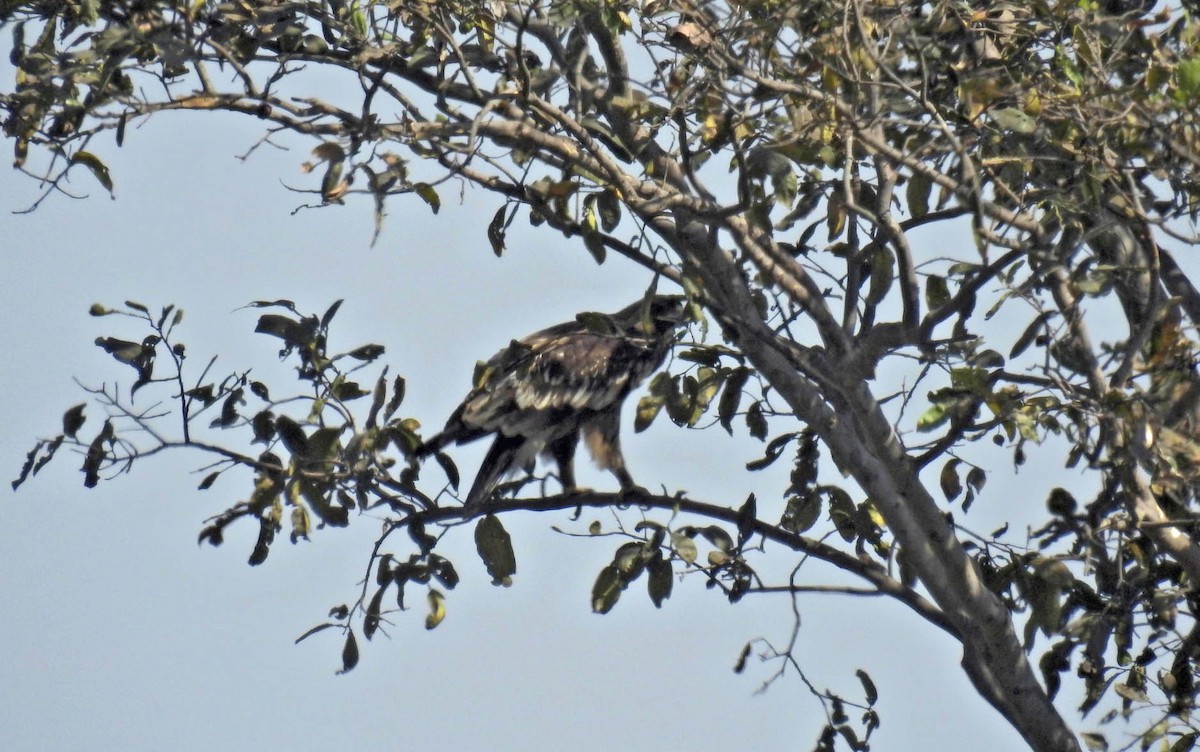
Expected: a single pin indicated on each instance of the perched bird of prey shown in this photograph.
(540, 394)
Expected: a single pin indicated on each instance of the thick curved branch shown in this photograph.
(865, 445)
(872, 573)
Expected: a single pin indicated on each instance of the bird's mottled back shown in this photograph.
(540, 393)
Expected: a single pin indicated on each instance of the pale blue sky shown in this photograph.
(120, 633)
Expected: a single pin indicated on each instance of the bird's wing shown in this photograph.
(551, 376)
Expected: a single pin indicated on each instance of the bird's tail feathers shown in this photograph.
(503, 457)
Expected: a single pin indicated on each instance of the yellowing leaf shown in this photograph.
(710, 128)
(684, 547)
(648, 408)
(437, 608)
(428, 195)
(1013, 119)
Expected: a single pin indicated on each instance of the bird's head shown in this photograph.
(654, 315)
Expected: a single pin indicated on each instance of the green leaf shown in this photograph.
(1185, 743)
(842, 513)
(785, 185)
(444, 571)
(604, 135)
(330, 312)
(1030, 334)
(359, 20)
(448, 467)
(372, 618)
(747, 518)
(262, 547)
(348, 390)
(313, 631)
(292, 435)
(772, 452)
(883, 273)
(96, 455)
(496, 231)
(1061, 503)
(1189, 78)
(323, 444)
(976, 478)
(287, 329)
(950, 482)
(72, 420)
(802, 512)
(743, 656)
(595, 246)
(756, 422)
(937, 292)
(124, 351)
(98, 168)
(731, 397)
(349, 653)
(917, 194)
(399, 386)
(609, 207)
(495, 549)
(718, 537)
(27, 466)
(280, 303)
(661, 579)
(607, 589)
(872, 694)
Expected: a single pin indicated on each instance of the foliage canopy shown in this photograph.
(932, 235)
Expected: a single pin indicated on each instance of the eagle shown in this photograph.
(541, 394)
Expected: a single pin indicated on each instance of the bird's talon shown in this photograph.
(632, 494)
(577, 491)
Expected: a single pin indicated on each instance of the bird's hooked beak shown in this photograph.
(660, 314)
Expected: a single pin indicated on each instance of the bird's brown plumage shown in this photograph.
(540, 394)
